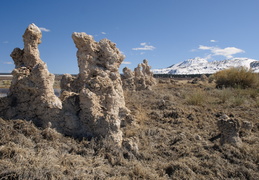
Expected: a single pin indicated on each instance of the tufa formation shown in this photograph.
(99, 86)
(91, 104)
(229, 128)
(31, 94)
(141, 79)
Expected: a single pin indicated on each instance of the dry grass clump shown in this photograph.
(233, 97)
(224, 94)
(197, 97)
(173, 138)
(240, 77)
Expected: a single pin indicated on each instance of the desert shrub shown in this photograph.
(236, 77)
(224, 95)
(196, 98)
(211, 78)
(252, 93)
(237, 100)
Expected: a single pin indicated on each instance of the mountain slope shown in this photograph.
(202, 66)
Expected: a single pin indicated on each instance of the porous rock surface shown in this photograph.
(99, 87)
(31, 94)
(128, 79)
(91, 104)
(141, 79)
(229, 128)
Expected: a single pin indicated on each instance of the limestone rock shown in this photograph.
(144, 78)
(229, 128)
(141, 79)
(91, 104)
(66, 82)
(100, 88)
(31, 93)
(128, 80)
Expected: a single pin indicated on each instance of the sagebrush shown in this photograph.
(236, 77)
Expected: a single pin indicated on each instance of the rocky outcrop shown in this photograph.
(141, 79)
(31, 95)
(229, 128)
(99, 85)
(67, 83)
(91, 104)
(128, 80)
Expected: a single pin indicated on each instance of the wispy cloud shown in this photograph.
(193, 50)
(228, 52)
(9, 62)
(204, 47)
(5, 42)
(44, 29)
(103, 33)
(213, 41)
(145, 47)
(126, 62)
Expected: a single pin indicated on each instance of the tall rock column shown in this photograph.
(149, 79)
(101, 95)
(31, 94)
(143, 76)
(128, 80)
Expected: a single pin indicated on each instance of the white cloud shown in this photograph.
(145, 47)
(213, 41)
(103, 33)
(44, 29)
(126, 62)
(204, 47)
(8, 62)
(228, 52)
(5, 42)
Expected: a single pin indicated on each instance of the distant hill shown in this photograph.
(5, 74)
(203, 66)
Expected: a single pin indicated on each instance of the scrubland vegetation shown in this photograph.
(173, 127)
(239, 77)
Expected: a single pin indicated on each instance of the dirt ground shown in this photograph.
(174, 124)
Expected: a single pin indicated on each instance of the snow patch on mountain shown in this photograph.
(203, 66)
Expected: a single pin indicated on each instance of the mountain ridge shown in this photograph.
(203, 66)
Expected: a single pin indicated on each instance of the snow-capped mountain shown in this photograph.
(203, 66)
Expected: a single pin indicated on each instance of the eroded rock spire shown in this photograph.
(31, 93)
(100, 91)
(141, 79)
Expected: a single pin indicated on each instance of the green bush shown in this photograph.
(238, 77)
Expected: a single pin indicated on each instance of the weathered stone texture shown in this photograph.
(91, 104)
(31, 95)
(141, 79)
(101, 95)
(229, 128)
(128, 80)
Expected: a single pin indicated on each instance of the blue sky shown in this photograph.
(164, 32)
